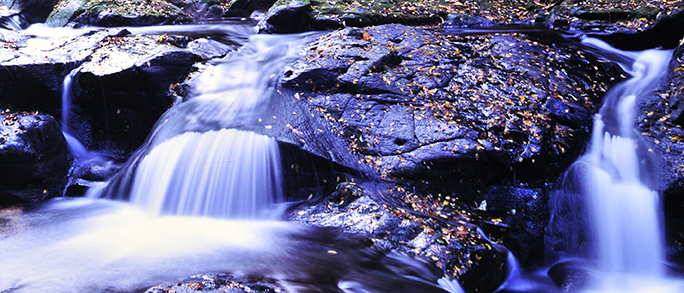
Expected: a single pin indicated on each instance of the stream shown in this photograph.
(203, 195)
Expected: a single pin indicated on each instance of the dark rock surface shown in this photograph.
(661, 121)
(104, 115)
(592, 15)
(454, 245)
(464, 111)
(34, 158)
(469, 127)
(569, 276)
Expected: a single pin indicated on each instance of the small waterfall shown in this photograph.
(75, 146)
(621, 227)
(624, 210)
(66, 98)
(222, 174)
(204, 157)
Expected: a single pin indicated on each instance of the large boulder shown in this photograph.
(33, 69)
(466, 111)
(109, 13)
(115, 118)
(475, 124)
(34, 157)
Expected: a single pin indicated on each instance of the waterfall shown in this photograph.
(625, 211)
(204, 158)
(222, 174)
(78, 150)
(621, 228)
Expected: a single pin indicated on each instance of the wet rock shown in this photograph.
(665, 33)
(461, 112)
(34, 158)
(105, 115)
(20, 14)
(285, 19)
(214, 283)
(115, 13)
(606, 16)
(89, 173)
(517, 217)
(662, 127)
(569, 276)
(33, 69)
(115, 118)
(316, 15)
(588, 16)
(455, 246)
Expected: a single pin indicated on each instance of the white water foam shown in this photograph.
(223, 174)
(624, 212)
(96, 245)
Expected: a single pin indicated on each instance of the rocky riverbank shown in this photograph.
(451, 139)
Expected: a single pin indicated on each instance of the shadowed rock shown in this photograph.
(34, 159)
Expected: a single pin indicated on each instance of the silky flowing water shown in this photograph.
(200, 197)
(606, 213)
(625, 213)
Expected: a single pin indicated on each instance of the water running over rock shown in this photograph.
(196, 162)
(621, 229)
(222, 174)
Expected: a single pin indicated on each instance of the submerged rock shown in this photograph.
(34, 158)
(569, 276)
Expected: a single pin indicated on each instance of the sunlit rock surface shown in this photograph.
(111, 13)
(34, 159)
(106, 116)
(33, 68)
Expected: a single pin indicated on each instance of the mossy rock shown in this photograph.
(109, 13)
(358, 13)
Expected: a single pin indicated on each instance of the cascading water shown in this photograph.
(196, 162)
(624, 210)
(605, 212)
(622, 230)
(223, 174)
